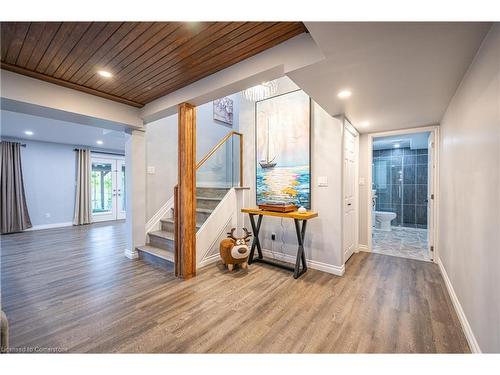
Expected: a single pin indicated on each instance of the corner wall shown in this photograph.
(323, 237)
(469, 212)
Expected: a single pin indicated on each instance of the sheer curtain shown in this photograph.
(13, 208)
(82, 201)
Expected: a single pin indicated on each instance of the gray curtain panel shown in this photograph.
(82, 201)
(13, 210)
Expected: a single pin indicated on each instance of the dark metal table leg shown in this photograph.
(255, 242)
(301, 256)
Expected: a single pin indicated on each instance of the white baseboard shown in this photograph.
(335, 270)
(469, 334)
(363, 248)
(49, 226)
(131, 254)
(329, 268)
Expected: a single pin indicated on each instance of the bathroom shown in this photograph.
(400, 193)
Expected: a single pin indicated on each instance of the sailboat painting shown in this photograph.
(283, 149)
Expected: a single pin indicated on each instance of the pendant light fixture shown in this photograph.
(260, 92)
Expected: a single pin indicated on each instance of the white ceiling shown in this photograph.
(413, 140)
(14, 124)
(401, 75)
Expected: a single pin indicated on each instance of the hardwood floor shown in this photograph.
(71, 289)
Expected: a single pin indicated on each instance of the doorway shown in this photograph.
(108, 195)
(402, 194)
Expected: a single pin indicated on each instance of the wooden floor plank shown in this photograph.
(72, 290)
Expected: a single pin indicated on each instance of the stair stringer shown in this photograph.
(222, 219)
(163, 213)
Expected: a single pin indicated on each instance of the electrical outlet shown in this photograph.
(273, 236)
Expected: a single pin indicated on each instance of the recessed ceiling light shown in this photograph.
(104, 73)
(365, 124)
(344, 94)
(99, 142)
(396, 145)
(28, 132)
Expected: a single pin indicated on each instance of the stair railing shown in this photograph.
(223, 141)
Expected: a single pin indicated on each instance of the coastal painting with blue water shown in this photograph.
(283, 150)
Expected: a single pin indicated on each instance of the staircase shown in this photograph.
(159, 251)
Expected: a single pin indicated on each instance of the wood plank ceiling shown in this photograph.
(146, 59)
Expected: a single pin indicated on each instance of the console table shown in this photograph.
(300, 230)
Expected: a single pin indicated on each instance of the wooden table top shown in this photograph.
(292, 215)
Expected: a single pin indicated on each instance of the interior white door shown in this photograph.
(431, 164)
(349, 201)
(107, 189)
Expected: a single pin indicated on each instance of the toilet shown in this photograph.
(383, 220)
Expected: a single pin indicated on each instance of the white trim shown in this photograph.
(335, 270)
(154, 222)
(50, 226)
(208, 260)
(211, 230)
(215, 240)
(469, 334)
(215, 185)
(435, 130)
(131, 254)
(329, 268)
(364, 248)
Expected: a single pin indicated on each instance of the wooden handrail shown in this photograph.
(218, 145)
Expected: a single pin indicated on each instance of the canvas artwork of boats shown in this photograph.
(283, 150)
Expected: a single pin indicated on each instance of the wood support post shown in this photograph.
(186, 194)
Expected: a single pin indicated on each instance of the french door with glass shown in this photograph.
(108, 189)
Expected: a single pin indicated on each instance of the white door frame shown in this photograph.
(117, 161)
(435, 189)
(347, 126)
(121, 213)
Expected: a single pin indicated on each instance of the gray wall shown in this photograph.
(49, 172)
(469, 223)
(161, 153)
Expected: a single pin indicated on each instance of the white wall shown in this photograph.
(32, 96)
(323, 237)
(161, 153)
(469, 224)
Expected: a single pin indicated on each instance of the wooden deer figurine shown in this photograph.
(235, 250)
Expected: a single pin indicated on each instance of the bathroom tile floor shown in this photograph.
(402, 242)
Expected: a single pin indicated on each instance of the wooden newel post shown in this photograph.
(186, 194)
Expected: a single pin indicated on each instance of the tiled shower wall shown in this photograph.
(400, 178)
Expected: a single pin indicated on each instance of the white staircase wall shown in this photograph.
(208, 237)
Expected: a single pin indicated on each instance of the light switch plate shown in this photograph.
(322, 181)
(151, 170)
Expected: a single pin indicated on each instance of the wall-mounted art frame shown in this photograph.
(223, 110)
(283, 149)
